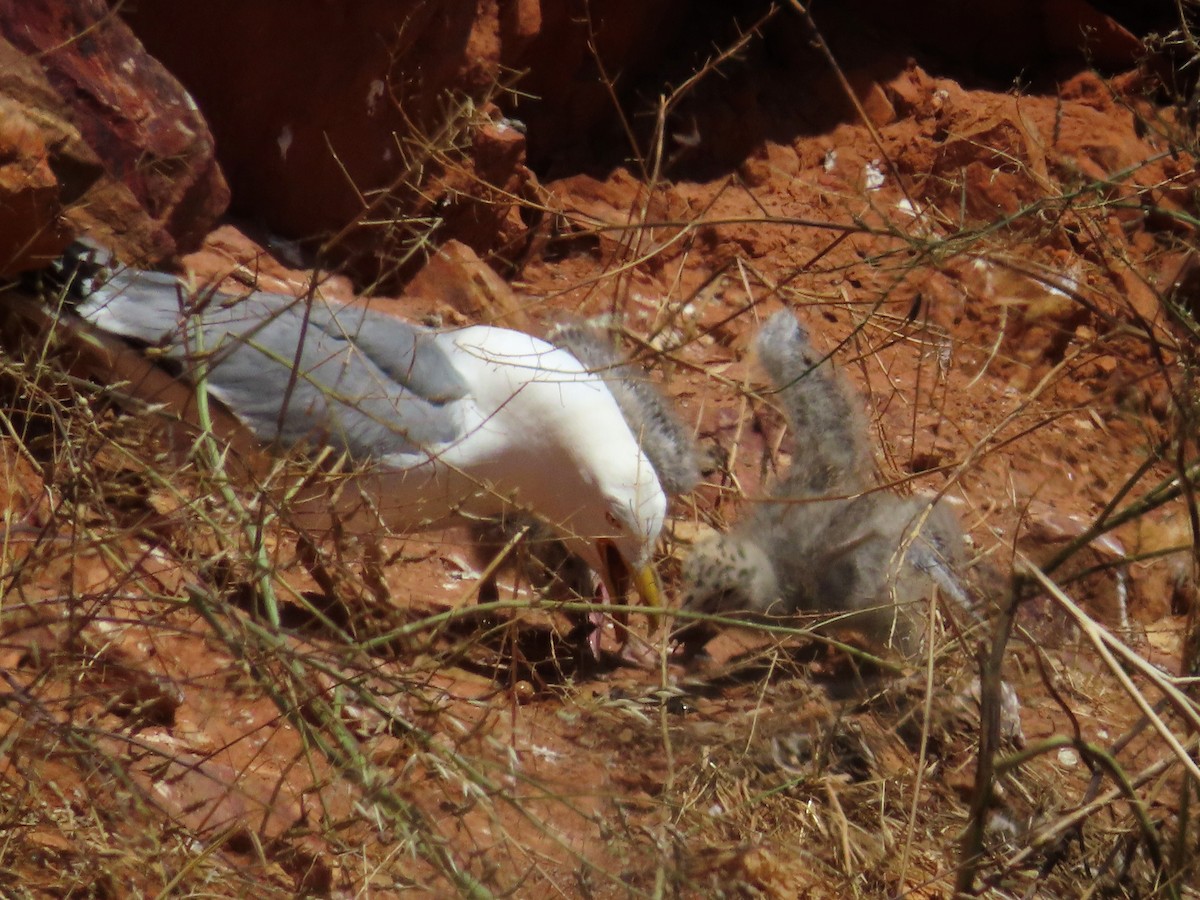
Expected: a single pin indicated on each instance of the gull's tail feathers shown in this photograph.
(139, 305)
(34, 312)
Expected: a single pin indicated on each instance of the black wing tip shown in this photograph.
(84, 266)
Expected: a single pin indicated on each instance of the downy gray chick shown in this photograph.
(826, 542)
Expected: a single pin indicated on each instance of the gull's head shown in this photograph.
(553, 438)
(605, 497)
(616, 529)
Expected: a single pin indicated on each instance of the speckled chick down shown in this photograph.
(828, 541)
(664, 438)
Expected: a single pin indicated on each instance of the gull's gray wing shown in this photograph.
(407, 354)
(364, 382)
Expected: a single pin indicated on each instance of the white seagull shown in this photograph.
(463, 423)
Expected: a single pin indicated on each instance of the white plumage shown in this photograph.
(467, 422)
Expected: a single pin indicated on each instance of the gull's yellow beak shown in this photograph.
(645, 580)
(619, 577)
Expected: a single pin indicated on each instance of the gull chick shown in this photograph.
(663, 436)
(827, 541)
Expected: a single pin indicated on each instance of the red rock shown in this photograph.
(209, 796)
(30, 200)
(477, 200)
(1071, 25)
(384, 137)
(911, 91)
(365, 126)
(165, 189)
(522, 19)
(231, 257)
(456, 276)
(608, 210)
(873, 99)
(990, 34)
(44, 164)
(995, 161)
(564, 98)
(768, 163)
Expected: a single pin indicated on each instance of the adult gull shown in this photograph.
(463, 423)
(667, 442)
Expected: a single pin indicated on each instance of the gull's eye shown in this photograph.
(612, 519)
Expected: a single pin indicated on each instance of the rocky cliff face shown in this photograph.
(368, 129)
(132, 153)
